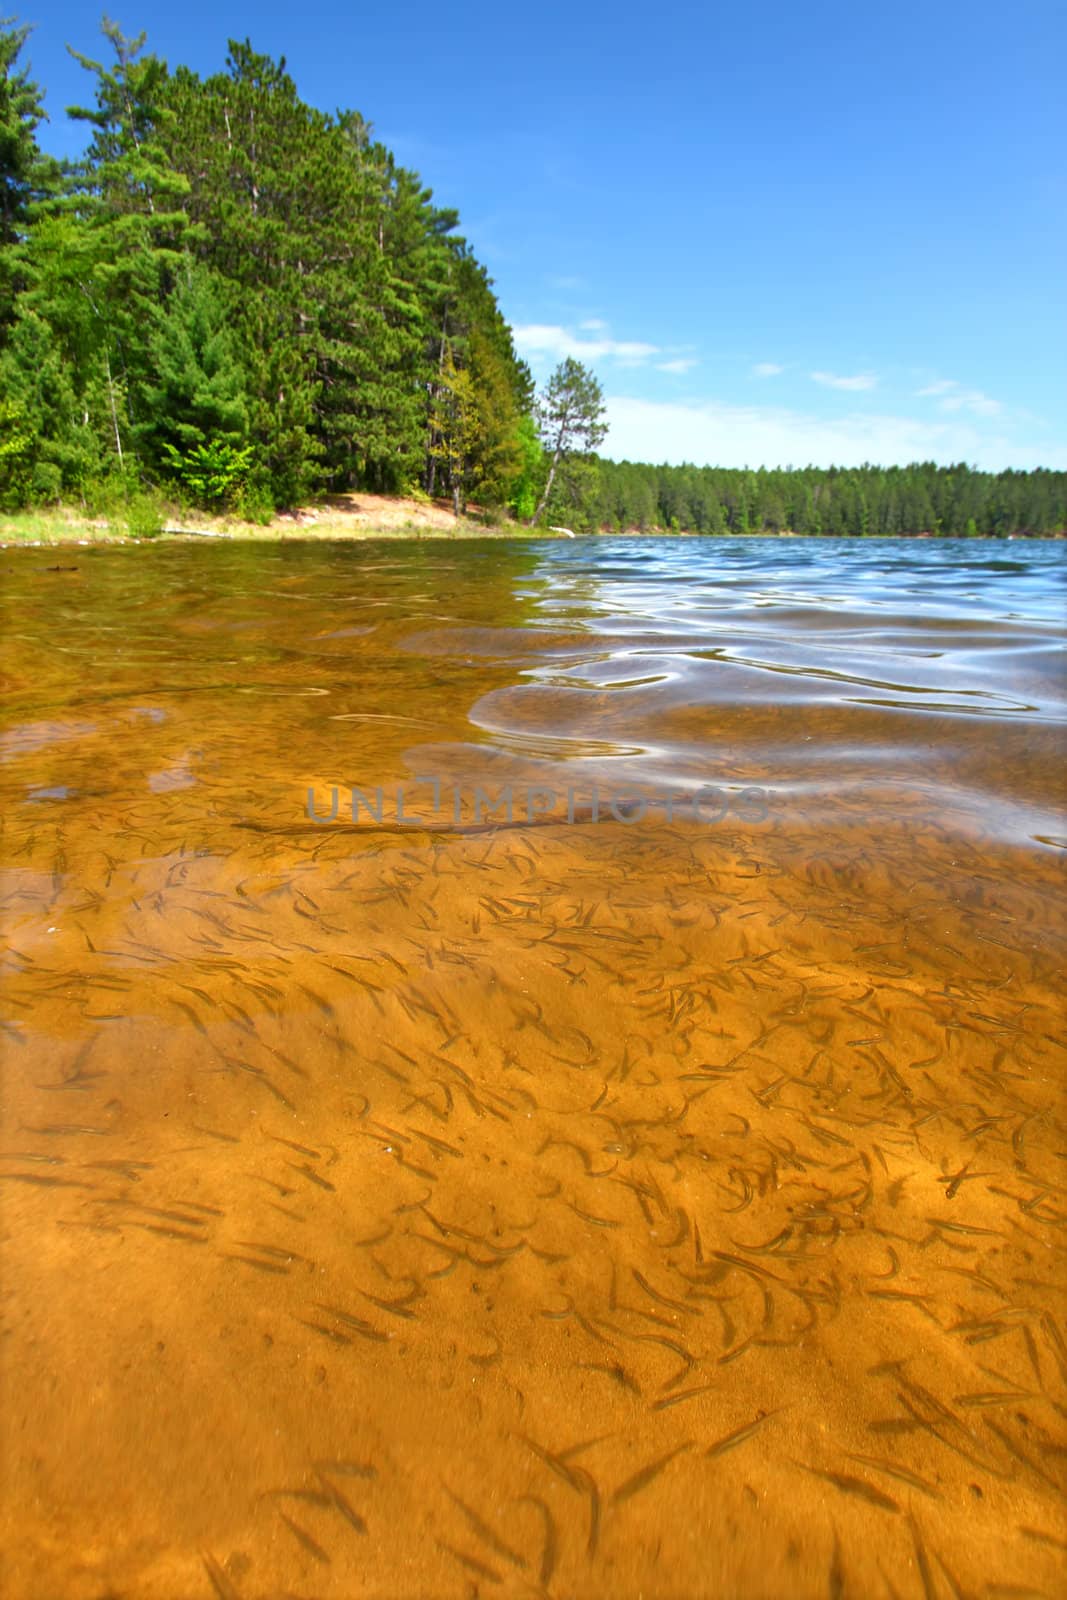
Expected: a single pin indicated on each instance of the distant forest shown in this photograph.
(242, 303)
(869, 500)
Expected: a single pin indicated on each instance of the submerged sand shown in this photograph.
(669, 1208)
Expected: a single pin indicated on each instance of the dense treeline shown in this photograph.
(241, 294)
(844, 501)
(245, 303)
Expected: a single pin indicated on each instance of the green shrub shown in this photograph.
(214, 474)
(144, 517)
(254, 504)
(46, 483)
(16, 455)
(109, 494)
(493, 515)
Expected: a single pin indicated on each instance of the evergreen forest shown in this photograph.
(244, 303)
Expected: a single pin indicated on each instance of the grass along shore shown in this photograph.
(351, 516)
(348, 516)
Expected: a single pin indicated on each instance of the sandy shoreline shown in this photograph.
(353, 516)
(349, 516)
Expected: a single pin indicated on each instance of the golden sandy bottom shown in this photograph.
(625, 1212)
(599, 1211)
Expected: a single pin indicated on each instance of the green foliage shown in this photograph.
(575, 494)
(193, 390)
(230, 267)
(247, 301)
(526, 485)
(26, 175)
(21, 113)
(454, 425)
(212, 474)
(844, 502)
(16, 455)
(46, 483)
(144, 517)
(571, 422)
(254, 504)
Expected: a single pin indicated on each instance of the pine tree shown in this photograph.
(571, 413)
(127, 226)
(193, 402)
(27, 178)
(26, 175)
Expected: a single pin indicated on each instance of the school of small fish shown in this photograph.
(660, 1209)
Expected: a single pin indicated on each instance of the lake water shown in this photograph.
(657, 1192)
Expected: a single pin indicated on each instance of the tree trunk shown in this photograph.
(114, 413)
(542, 503)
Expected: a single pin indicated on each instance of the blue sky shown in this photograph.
(780, 233)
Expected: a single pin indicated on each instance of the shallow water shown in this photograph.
(667, 1203)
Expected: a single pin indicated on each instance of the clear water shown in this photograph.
(647, 1204)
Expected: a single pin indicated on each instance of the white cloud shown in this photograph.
(679, 364)
(830, 380)
(954, 397)
(736, 436)
(550, 339)
(972, 400)
(766, 369)
(592, 325)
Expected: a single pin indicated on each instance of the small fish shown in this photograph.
(923, 1561)
(894, 1470)
(486, 1533)
(738, 1436)
(664, 1300)
(686, 1394)
(550, 1549)
(395, 1308)
(1039, 1535)
(857, 1486)
(470, 1562)
(312, 1176)
(277, 1251)
(570, 1476)
(1013, 1449)
(301, 1149)
(168, 1233)
(641, 1480)
(212, 1133)
(220, 1581)
(343, 1505)
(586, 1216)
(993, 1397)
(43, 1180)
(127, 1169)
(304, 1538)
(962, 1227)
(192, 1016)
(63, 1128)
(365, 1329)
(620, 1375)
(250, 1261)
